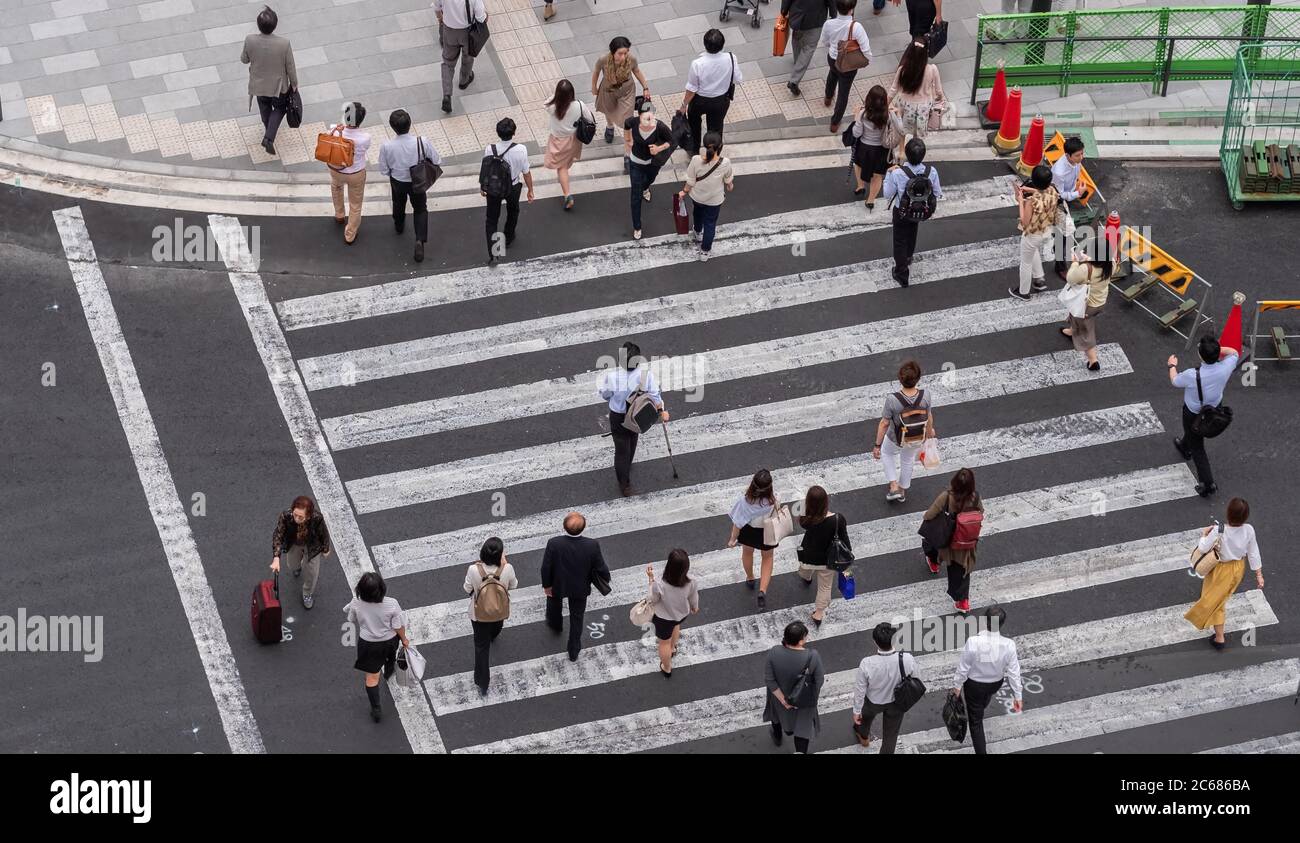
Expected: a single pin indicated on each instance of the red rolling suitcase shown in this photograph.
(266, 610)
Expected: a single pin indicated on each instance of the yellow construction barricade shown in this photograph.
(1275, 333)
(1160, 269)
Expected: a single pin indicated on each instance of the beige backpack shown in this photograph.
(492, 602)
(641, 410)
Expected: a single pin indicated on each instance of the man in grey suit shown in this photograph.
(454, 20)
(805, 19)
(271, 74)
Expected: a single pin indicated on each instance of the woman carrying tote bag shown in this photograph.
(1092, 276)
(747, 517)
(673, 599)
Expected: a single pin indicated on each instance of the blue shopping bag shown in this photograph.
(847, 586)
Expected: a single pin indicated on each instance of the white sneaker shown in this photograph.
(636, 235)
(695, 235)
(704, 256)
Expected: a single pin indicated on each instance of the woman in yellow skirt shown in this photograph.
(1237, 548)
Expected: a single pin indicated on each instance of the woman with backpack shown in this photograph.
(904, 426)
(794, 676)
(563, 146)
(917, 93)
(961, 506)
(872, 125)
(821, 528)
(488, 582)
(380, 623)
(648, 143)
(747, 514)
(708, 180)
(1093, 274)
(674, 598)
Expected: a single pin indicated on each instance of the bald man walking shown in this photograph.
(568, 565)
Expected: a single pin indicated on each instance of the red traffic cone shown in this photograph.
(1032, 155)
(1112, 231)
(991, 111)
(1231, 336)
(1007, 138)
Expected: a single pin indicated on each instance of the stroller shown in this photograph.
(745, 6)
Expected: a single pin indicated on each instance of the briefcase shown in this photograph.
(937, 38)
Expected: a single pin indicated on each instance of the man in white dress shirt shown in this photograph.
(616, 385)
(707, 84)
(873, 693)
(986, 661)
(453, 35)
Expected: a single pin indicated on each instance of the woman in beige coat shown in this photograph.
(1094, 273)
(613, 88)
(960, 496)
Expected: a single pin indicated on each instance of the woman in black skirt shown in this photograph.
(380, 624)
(747, 529)
(870, 154)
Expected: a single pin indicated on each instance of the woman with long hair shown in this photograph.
(675, 597)
(613, 88)
(870, 154)
(820, 527)
(960, 496)
(917, 92)
(563, 147)
(1092, 268)
(747, 514)
(301, 538)
(708, 180)
(1237, 548)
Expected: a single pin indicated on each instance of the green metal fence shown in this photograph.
(1260, 150)
(1150, 46)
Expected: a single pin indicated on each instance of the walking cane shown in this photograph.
(671, 461)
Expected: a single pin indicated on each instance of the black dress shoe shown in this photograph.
(1206, 490)
(268, 146)
(776, 736)
(1182, 450)
(467, 82)
(900, 279)
(1095, 366)
(419, 251)
(399, 227)
(482, 690)
(751, 584)
(626, 490)
(573, 657)
(446, 104)
(1218, 645)
(376, 713)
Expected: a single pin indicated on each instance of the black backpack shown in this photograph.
(917, 201)
(1210, 421)
(909, 689)
(494, 177)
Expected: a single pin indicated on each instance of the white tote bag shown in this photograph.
(777, 524)
(410, 667)
(642, 611)
(1075, 299)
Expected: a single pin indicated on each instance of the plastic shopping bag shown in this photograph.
(929, 455)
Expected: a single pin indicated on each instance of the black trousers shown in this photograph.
(512, 214)
(624, 448)
(485, 632)
(920, 17)
(555, 619)
(709, 110)
(893, 724)
(419, 204)
(978, 695)
(272, 110)
(800, 744)
(958, 582)
(1194, 445)
(842, 81)
(904, 243)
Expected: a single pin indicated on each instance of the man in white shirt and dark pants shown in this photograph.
(396, 158)
(453, 35)
(708, 83)
(516, 156)
(873, 692)
(616, 385)
(987, 660)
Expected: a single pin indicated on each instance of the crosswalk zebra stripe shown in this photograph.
(736, 637)
(839, 474)
(642, 317)
(503, 469)
(728, 713)
(626, 256)
(1288, 744)
(1118, 711)
(691, 372)
(880, 537)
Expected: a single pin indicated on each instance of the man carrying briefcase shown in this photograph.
(634, 405)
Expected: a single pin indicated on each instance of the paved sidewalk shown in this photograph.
(161, 81)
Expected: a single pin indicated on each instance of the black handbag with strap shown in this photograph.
(938, 531)
(731, 89)
(909, 689)
(425, 173)
(1210, 421)
(954, 717)
(478, 32)
(293, 108)
(804, 692)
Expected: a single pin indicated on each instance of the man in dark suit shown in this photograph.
(568, 565)
(805, 18)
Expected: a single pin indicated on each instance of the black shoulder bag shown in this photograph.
(909, 689)
(839, 555)
(1210, 421)
(804, 692)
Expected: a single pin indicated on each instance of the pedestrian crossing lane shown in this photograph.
(1016, 376)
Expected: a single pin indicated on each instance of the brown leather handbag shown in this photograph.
(334, 149)
(849, 52)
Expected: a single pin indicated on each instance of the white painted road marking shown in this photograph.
(728, 713)
(624, 256)
(754, 423)
(742, 636)
(1288, 744)
(349, 547)
(159, 489)
(715, 498)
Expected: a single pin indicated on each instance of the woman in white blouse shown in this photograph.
(1237, 548)
(563, 148)
(747, 516)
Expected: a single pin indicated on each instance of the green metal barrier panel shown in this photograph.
(1260, 150)
(1153, 46)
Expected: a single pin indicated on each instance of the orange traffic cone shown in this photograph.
(1007, 139)
(991, 111)
(1032, 155)
(1231, 336)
